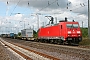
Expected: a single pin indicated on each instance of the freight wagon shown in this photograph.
(12, 35)
(27, 34)
(62, 33)
(4, 35)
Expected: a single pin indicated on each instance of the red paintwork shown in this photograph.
(56, 31)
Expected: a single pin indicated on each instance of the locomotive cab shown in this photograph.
(70, 32)
(74, 34)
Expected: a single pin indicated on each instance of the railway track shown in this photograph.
(27, 53)
(58, 51)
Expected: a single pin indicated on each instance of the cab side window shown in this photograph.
(61, 26)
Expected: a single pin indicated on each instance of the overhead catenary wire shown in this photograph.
(28, 3)
(15, 7)
(78, 7)
(56, 1)
(48, 5)
(41, 8)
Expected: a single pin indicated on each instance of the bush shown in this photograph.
(85, 40)
(84, 32)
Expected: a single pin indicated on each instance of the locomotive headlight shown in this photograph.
(69, 32)
(78, 32)
(79, 35)
(68, 35)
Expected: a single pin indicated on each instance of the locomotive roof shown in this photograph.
(63, 21)
(70, 22)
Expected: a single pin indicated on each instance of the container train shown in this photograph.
(64, 32)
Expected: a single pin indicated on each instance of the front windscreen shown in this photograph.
(72, 25)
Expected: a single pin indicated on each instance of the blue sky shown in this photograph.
(2, 9)
(13, 10)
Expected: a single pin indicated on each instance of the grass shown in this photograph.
(85, 41)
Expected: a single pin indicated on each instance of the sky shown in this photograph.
(16, 15)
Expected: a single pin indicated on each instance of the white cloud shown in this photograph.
(39, 3)
(57, 9)
(49, 5)
(79, 7)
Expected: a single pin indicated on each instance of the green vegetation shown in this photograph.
(19, 34)
(85, 40)
(35, 34)
(84, 32)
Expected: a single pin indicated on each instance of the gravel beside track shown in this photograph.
(87, 46)
(3, 53)
(58, 51)
(7, 54)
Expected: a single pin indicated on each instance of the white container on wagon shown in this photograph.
(27, 34)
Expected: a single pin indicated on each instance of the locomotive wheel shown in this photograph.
(41, 40)
(59, 42)
(69, 42)
(51, 41)
(45, 40)
(36, 40)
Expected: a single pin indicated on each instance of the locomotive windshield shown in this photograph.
(72, 25)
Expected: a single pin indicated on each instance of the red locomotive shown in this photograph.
(63, 32)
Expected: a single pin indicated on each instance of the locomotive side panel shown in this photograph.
(43, 32)
(63, 30)
(54, 31)
(50, 32)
